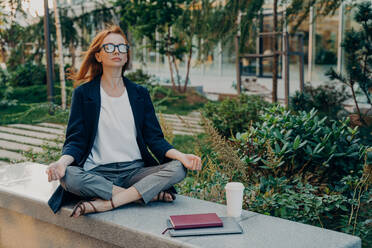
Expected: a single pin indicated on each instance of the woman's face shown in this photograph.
(114, 58)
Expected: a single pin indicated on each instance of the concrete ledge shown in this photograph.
(24, 192)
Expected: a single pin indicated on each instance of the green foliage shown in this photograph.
(3, 78)
(340, 205)
(234, 115)
(33, 113)
(140, 77)
(326, 99)
(296, 201)
(28, 74)
(285, 144)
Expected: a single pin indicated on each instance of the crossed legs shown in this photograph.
(145, 183)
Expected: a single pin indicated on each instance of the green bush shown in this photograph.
(285, 144)
(4, 77)
(28, 74)
(326, 99)
(305, 203)
(139, 77)
(234, 115)
(5, 97)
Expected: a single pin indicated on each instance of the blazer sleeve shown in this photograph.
(152, 133)
(75, 142)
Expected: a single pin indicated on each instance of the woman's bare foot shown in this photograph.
(167, 197)
(86, 207)
(159, 197)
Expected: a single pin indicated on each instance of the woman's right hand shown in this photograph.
(56, 170)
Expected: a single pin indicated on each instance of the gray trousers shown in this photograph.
(99, 181)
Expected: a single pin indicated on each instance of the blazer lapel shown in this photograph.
(92, 106)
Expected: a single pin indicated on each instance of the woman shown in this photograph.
(105, 160)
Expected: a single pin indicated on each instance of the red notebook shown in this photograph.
(186, 221)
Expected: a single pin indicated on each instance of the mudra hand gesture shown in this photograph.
(191, 161)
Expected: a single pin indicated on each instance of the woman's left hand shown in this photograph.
(191, 161)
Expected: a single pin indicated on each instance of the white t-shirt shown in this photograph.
(116, 134)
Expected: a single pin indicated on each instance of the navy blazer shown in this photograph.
(83, 123)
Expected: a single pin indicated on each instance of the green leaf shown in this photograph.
(296, 142)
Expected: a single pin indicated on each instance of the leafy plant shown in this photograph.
(326, 99)
(28, 74)
(285, 144)
(5, 97)
(234, 115)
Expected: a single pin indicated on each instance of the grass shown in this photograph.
(32, 113)
(186, 143)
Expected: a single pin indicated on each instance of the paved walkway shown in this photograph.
(15, 139)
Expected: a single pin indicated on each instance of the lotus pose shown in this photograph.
(105, 160)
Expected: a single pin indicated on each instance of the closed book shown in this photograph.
(186, 221)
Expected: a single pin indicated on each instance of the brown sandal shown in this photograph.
(82, 208)
(162, 199)
(112, 204)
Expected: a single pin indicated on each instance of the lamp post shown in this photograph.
(48, 56)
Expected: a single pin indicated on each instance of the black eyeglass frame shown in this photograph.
(104, 46)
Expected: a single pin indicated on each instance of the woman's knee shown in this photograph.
(71, 180)
(178, 170)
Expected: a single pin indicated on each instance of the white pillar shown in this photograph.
(202, 57)
(340, 37)
(220, 68)
(157, 54)
(144, 54)
(311, 43)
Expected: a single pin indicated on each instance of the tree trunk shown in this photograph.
(188, 69)
(169, 61)
(177, 72)
(356, 104)
(60, 54)
(274, 48)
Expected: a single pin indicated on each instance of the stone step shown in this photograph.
(179, 126)
(182, 133)
(3, 163)
(178, 121)
(188, 119)
(8, 145)
(52, 125)
(11, 155)
(37, 128)
(28, 133)
(27, 140)
(187, 130)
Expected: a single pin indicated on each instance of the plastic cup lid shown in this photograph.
(234, 185)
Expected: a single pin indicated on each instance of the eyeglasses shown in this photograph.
(110, 48)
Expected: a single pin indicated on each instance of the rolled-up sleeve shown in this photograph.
(75, 142)
(152, 133)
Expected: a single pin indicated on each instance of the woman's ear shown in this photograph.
(97, 55)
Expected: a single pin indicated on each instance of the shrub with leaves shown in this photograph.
(28, 74)
(314, 205)
(234, 115)
(326, 99)
(285, 144)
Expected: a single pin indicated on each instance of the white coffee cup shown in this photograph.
(234, 198)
